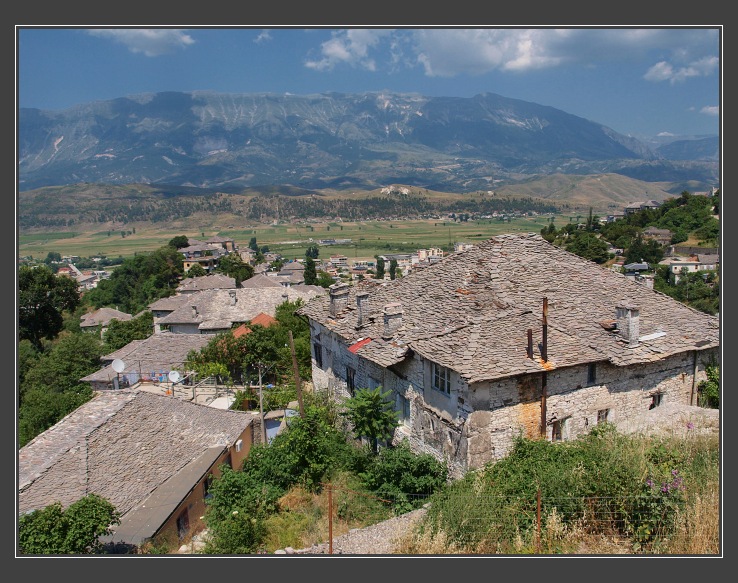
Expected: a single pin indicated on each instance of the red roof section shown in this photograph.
(356, 345)
(261, 319)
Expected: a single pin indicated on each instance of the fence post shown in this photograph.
(330, 520)
(538, 521)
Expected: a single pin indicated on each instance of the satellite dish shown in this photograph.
(173, 376)
(118, 365)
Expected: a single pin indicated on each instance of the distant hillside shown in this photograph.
(110, 206)
(698, 149)
(228, 142)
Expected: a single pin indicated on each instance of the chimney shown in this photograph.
(338, 293)
(232, 294)
(392, 319)
(362, 301)
(194, 311)
(628, 325)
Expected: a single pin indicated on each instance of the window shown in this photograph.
(318, 350)
(403, 407)
(591, 373)
(559, 430)
(183, 524)
(441, 378)
(350, 386)
(603, 415)
(656, 400)
(207, 482)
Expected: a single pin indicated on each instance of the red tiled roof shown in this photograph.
(356, 345)
(261, 319)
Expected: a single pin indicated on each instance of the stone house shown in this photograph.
(146, 361)
(151, 456)
(102, 318)
(218, 310)
(511, 337)
(192, 285)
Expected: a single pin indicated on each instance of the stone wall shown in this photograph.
(478, 424)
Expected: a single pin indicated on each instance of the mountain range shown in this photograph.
(229, 142)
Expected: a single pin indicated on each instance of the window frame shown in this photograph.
(351, 380)
(559, 430)
(404, 409)
(318, 354)
(603, 415)
(656, 400)
(441, 379)
(592, 373)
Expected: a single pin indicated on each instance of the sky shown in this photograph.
(639, 81)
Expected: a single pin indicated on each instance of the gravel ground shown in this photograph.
(378, 539)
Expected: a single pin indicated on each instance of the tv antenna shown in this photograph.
(118, 365)
(173, 376)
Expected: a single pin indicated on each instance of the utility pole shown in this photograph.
(261, 408)
(296, 369)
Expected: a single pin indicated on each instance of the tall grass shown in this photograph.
(605, 493)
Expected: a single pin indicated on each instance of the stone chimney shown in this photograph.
(338, 293)
(362, 307)
(234, 299)
(392, 319)
(628, 324)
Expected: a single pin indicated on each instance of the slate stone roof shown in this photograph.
(215, 309)
(121, 445)
(170, 303)
(103, 316)
(471, 310)
(158, 352)
(212, 281)
(260, 280)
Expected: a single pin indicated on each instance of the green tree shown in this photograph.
(52, 388)
(393, 268)
(310, 274)
(325, 279)
(139, 281)
(233, 266)
(225, 350)
(52, 257)
(253, 245)
(74, 531)
(709, 389)
(42, 297)
(313, 251)
(179, 242)
(196, 270)
(588, 245)
(371, 415)
(120, 333)
(380, 268)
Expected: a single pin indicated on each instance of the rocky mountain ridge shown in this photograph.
(236, 141)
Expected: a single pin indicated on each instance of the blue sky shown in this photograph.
(638, 81)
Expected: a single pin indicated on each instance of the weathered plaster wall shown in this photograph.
(476, 425)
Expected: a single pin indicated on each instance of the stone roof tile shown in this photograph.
(494, 291)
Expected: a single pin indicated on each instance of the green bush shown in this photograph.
(404, 477)
(619, 483)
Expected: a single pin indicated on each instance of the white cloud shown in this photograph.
(263, 36)
(152, 42)
(711, 110)
(351, 47)
(663, 71)
(448, 52)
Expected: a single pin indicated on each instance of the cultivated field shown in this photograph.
(368, 238)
